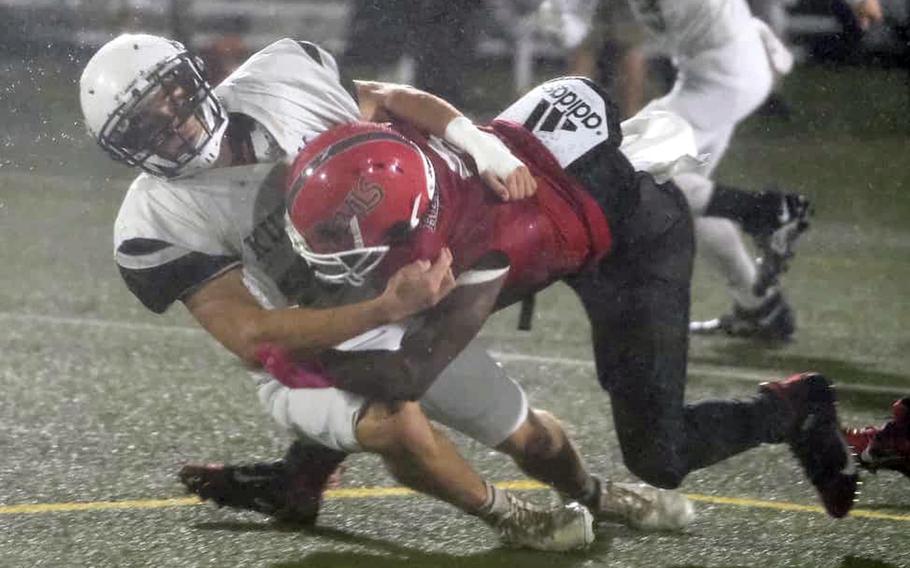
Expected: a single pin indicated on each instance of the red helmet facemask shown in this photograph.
(353, 192)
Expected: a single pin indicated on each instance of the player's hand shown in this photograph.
(500, 169)
(418, 286)
(867, 12)
(519, 184)
(505, 174)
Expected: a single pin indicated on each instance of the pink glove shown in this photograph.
(292, 374)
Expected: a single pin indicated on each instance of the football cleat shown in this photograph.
(816, 441)
(887, 447)
(289, 490)
(525, 525)
(773, 320)
(777, 242)
(642, 506)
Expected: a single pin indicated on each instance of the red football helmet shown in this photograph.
(351, 193)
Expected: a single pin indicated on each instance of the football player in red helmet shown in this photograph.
(348, 178)
(621, 240)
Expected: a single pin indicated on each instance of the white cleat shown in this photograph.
(643, 507)
(524, 525)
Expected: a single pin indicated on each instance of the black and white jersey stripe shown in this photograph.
(159, 273)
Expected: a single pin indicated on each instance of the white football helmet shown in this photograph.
(146, 103)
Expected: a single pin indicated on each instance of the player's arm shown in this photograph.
(229, 312)
(426, 349)
(501, 170)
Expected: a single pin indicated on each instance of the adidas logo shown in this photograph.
(562, 109)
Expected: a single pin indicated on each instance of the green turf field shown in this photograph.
(102, 401)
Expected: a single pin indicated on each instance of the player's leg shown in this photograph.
(332, 422)
(291, 489)
(738, 72)
(697, 97)
(775, 220)
(543, 450)
(419, 456)
(638, 303)
(475, 396)
(424, 459)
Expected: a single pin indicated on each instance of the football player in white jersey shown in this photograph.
(727, 63)
(203, 225)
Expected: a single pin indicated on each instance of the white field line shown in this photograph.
(741, 374)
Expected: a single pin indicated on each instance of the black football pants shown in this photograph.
(638, 304)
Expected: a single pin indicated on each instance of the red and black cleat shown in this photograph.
(887, 447)
(816, 441)
(289, 490)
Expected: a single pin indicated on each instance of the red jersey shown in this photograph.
(559, 231)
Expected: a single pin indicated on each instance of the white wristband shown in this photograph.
(461, 133)
(488, 151)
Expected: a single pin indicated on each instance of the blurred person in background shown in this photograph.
(727, 62)
(437, 36)
(223, 56)
(606, 43)
(224, 53)
(866, 12)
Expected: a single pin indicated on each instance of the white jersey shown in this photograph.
(291, 88)
(173, 235)
(688, 27)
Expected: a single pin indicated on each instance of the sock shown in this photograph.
(755, 211)
(589, 495)
(496, 503)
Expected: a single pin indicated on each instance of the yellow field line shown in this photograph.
(377, 492)
(97, 506)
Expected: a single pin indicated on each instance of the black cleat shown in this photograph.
(289, 490)
(777, 242)
(815, 439)
(774, 320)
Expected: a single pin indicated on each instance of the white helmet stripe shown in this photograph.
(355, 232)
(415, 210)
